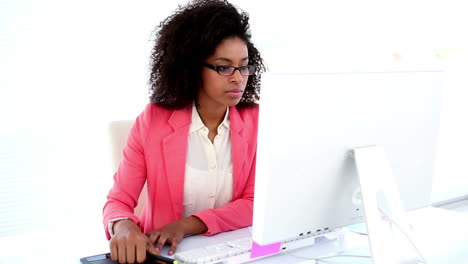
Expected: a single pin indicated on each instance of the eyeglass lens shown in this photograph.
(244, 70)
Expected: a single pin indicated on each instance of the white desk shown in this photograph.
(444, 234)
(61, 245)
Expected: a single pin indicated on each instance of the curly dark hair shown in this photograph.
(183, 42)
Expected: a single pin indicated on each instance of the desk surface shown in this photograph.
(443, 237)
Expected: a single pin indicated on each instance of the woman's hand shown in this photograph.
(174, 232)
(129, 244)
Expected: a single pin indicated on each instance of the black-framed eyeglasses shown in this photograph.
(227, 70)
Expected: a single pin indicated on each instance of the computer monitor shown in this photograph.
(306, 179)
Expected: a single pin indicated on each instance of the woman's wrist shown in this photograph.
(193, 225)
(125, 224)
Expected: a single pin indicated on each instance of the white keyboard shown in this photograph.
(235, 251)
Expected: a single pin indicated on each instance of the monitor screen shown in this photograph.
(306, 180)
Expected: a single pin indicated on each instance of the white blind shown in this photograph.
(66, 70)
(23, 147)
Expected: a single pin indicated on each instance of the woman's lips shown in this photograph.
(235, 93)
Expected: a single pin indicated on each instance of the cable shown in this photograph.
(357, 232)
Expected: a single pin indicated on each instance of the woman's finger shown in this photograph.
(152, 249)
(113, 249)
(121, 250)
(161, 241)
(130, 252)
(154, 236)
(141, 249)
(174, 244)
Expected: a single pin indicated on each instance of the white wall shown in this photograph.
(451, 170)
(67, 68)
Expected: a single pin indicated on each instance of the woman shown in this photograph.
(195, 143)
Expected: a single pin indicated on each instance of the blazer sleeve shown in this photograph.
(234, 215)
(131, 174)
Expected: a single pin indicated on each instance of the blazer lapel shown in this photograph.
(175, 155)
(239, 150)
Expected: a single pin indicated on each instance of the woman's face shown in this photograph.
(218, 90)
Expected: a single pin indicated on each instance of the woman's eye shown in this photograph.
(223, 68)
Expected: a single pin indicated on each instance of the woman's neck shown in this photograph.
(212, 117)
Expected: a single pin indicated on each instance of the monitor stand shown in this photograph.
(389, 233)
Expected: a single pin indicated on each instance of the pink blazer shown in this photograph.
(156, 151)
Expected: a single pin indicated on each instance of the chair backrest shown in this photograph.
(118, 131)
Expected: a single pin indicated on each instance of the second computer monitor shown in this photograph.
(306, 180)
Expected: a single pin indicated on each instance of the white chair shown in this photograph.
(118, 131)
